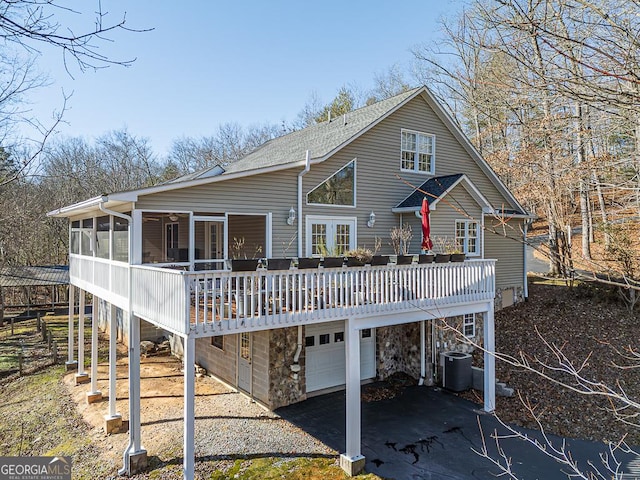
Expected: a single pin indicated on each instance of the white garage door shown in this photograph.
(325, 355)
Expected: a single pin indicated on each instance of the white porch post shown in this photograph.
(189, 408)
(82, 376)
(134, 382)
(94, 395)
(113, 421)
(71, 363)
(489, 360)
(81, 332)
(135, 457)
(352, 460)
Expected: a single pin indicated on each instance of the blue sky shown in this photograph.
(211, 62)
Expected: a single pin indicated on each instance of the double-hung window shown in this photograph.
(418, 152)
(469, 325)
(467, 237)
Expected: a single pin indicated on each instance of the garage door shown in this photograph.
(325, 355)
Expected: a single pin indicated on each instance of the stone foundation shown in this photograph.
(506, 297)
(398, 350)
(286, 386)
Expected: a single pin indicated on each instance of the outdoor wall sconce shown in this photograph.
(173, 217)
(292, 216)
(372, 220)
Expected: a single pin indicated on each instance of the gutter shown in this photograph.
(295, 368)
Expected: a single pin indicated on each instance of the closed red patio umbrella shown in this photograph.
(427, 244)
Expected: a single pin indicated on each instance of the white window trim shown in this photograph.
(311, 219)
(355, 188)
(415, 163)
(478, 252)
(466, 321)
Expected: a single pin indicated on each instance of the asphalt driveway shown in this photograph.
(429, 433)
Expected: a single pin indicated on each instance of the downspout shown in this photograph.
(295, 368)
(423, 366)
(125, 468)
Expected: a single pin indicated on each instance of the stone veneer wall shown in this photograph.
(284, 389)
(398, 348)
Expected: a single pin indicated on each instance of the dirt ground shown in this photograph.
(229, 425)
(162, 393)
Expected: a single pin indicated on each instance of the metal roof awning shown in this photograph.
(34, 276)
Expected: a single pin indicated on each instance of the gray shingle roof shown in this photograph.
(320, 139)
(34, 276)
(434, 187)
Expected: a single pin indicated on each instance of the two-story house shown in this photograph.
(161, 258)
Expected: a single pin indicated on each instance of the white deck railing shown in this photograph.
(218, 302)
(109, 280)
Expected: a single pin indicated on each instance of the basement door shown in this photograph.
(244, 362)
(325, 355)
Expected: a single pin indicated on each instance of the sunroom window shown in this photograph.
(418, 152)
(338, 189)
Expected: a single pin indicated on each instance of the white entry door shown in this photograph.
(244, 362)
(325, 355)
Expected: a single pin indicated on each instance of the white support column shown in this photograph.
(113, 337)
(71, 363)
(352, 460)
(113, 421)
(94, 395)
(489, 360)
(81, 332)
(82, 376)
(135, 457)
(189, 408)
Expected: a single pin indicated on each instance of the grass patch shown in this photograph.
(291, 469)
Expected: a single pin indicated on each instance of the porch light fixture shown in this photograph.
(372, 220)
(173, 217)
(292, 216)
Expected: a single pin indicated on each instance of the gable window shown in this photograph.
(338, 189)
(469, 325)
(467, 236)
(418, 152)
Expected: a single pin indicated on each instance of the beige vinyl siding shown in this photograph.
(457, 205)
(260, 366)
(508, 251)
(152, 241)
(221, 363)
(252, 231)
(275, 192)
(378, 188)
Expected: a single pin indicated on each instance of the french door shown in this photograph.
(330, 236)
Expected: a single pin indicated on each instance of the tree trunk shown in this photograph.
(603, 209)
(584, 185)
